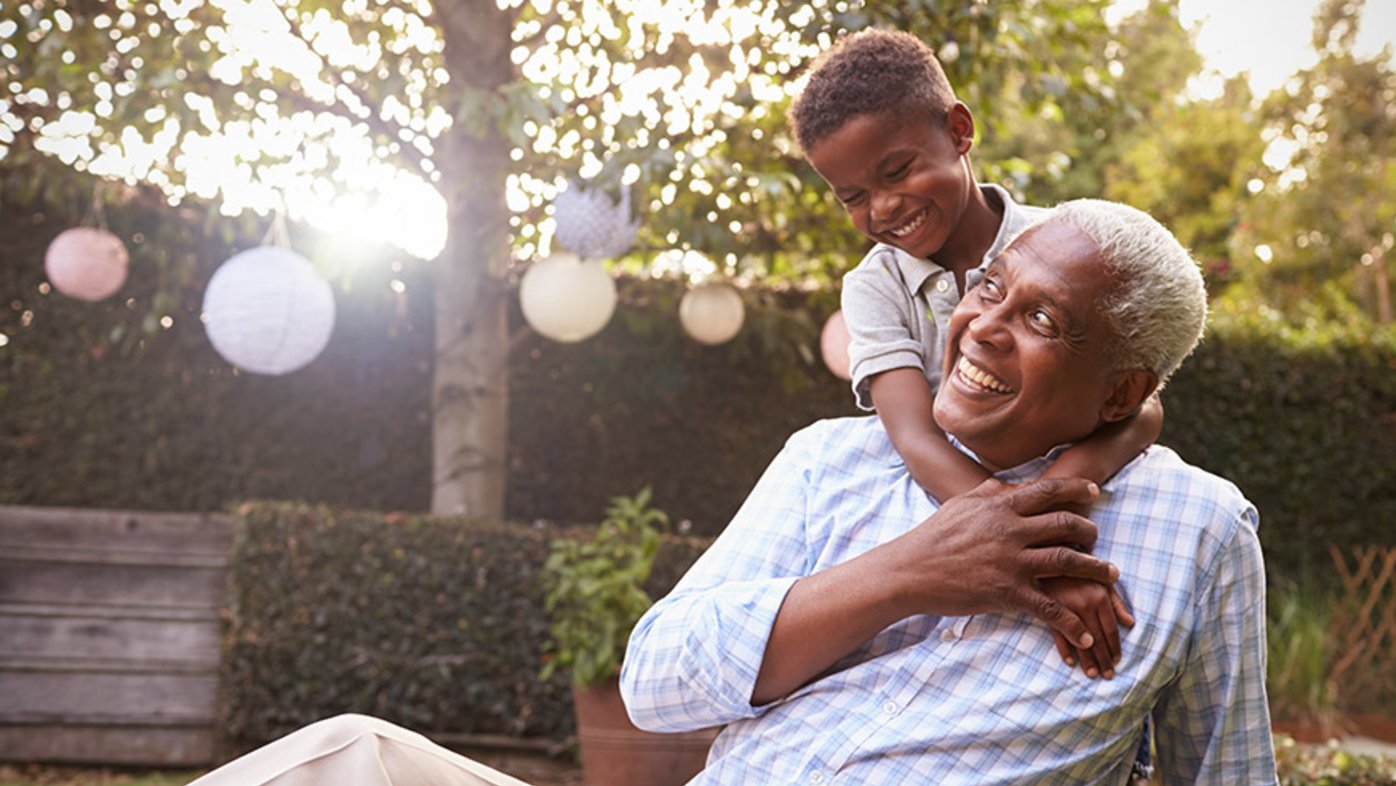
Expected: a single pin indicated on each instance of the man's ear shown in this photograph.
(1128, 391)
(960, 123)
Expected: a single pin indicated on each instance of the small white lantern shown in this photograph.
(86, 263)
(267, 311)
(712, 313)
(566, 299)
(833, 345)
(591, 225)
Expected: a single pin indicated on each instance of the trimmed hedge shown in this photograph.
(98, 411)
(434, 623)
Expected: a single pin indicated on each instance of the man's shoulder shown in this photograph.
(832, 440)
(1164, 478)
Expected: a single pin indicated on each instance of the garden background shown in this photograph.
(1288, 200)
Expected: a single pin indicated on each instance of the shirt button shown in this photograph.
(816, 777)
(942, 285)
(890, 708)
(947, 634)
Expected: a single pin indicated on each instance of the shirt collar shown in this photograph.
(1028, 470)
(916, 271)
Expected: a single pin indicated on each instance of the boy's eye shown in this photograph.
(899, 172)
(856, 199)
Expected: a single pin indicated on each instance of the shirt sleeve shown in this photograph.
(876, 308)
(1214, 721)
(692, 660)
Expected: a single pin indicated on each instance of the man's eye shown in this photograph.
(1043, 321)
(989, 289)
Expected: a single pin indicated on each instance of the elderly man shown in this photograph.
(835, 630)
(844, 629)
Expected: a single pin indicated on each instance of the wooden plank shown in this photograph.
(108, 638)
(108, 698)
(73, 583)
(151, 746)
(181, 532)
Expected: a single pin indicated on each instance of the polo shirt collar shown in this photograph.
(916, 271)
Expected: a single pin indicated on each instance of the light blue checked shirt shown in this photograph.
(982, 699)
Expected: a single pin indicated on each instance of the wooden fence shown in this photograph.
(109, 635)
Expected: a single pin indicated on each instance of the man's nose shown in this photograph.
(990, 327)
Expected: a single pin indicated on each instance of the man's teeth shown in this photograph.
(981, 377)
(908, 228)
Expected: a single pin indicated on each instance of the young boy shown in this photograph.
(879, 122)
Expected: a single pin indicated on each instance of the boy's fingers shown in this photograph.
(1033, 601)
(1108, 648)
(1064, 648)
(1122, 612)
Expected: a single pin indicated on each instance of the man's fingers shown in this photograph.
(1049, 561)
(1061, 528)
(1051, 494)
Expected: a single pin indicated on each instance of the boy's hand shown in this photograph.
(1103, 611)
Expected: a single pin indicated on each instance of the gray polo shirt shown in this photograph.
(897, 306)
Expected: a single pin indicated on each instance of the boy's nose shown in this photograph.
(884, 207)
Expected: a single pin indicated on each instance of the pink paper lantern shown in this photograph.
(86, 263)
(833, 346)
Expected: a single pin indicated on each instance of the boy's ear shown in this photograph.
(1129, 389)
(961, 125)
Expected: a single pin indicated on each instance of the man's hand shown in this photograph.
(986, 551)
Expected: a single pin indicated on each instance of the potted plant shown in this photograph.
(595, 593)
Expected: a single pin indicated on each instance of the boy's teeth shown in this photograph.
(981, 377)
(903, 231)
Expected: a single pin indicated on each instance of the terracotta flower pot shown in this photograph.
(615, 753)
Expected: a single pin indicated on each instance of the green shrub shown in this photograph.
(434, 623)
(1305, 765)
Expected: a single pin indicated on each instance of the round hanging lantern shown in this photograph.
(267, 311)
(566, 299)
(833, 345)
(712, 313)
(86, 263)
(591, 225)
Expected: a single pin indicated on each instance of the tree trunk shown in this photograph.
(470, 391)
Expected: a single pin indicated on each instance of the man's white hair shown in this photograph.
(1156, 308)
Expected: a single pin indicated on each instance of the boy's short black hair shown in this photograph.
(869, 72)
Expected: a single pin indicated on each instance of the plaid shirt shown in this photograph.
(982, 699)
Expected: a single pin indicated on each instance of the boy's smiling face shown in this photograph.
(903, 182)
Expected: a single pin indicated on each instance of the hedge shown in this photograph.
(434, 623)
(101, 407)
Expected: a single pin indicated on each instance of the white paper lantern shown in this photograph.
(833, 345)
(590, 225)
(566, 299)
(267, 311)
(86, 263)
(712, 313)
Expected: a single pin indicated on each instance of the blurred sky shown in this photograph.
(1267, 38)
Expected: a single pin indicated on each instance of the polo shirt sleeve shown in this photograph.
(692, 660)
(878, 311)
(1214, 721)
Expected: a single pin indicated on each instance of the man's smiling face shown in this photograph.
(1026, 366)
